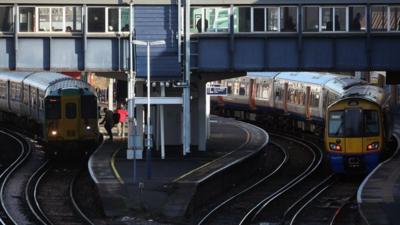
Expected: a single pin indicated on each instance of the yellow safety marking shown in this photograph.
(229, 153)
(114, 168)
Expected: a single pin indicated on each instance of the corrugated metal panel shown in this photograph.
(67, 53)
(7, 57)
(157, 23)
(33, 53)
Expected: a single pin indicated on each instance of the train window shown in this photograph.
(6, 19)
(26, 19)
(53, 108)
(379, 18)
(357, 20)
(314, 99)
(2, 89)
(394, 18)
(335, 123)
(242, 91)
(311, 19)
(258, 19)
(242, 19)
(96, 19)
(353, 123)
(288, 19)
(70, 110)
(371, 123)
(73, 19)
(89, 107)
(265, 91)
(272, 19)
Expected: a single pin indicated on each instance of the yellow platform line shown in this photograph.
(114, 168)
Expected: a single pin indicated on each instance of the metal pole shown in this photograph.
(131, 95)
(162, 124)
(186, 90)
(110, 94)
(148, 154)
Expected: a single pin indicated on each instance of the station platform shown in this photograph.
(379, 195)
(179, 185)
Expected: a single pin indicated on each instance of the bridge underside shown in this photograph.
(295, 53)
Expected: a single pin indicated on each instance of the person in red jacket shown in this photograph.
(122, 118)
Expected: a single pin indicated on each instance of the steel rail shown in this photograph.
(219, 206)
(316, 161)
(340, 209)
(31, 191)
(77, 209)
(6, 174)
(329, 184)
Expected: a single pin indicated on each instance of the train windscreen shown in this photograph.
(353, 123)
(53, 108)
(336, 121)
(89, 107)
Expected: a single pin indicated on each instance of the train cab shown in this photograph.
(355, 131)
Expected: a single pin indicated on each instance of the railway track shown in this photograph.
(7, 201)
(289, 171)
(50, 195)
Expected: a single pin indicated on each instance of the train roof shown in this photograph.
(70, 84)
(307, 77)
(14, 76)
(43, 80)
(263, 74)
(341, 83)
(369, 92)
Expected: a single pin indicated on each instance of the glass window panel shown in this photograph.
(327, 21)
(112, 20)
(216, 20)
(353, 125)
(311, 19)
(73, 19)
(44, 19)
(242, 19)
(259, 19)
(6, 19)
(272, 19)
(57, 19)
(379, 18)
(340, 19)
(96, 19)
(125, 19)
(395, 18)
(26, 19)
(289, 19)
(195, 19)
(371, 123)
(357, 20)
(336, 122)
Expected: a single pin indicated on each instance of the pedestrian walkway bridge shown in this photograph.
(262, 35)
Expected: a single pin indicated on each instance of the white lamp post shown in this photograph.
(149, 141)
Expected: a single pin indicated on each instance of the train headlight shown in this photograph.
(373, 146)
(335, 147)
(54, 132)
(88, 127)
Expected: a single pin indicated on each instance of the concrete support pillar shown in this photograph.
(111, 94)
(202, 114)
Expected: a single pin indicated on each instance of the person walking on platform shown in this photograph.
(121, 123)
(108, 122)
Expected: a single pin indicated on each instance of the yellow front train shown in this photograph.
(71, 121)
(355, 130)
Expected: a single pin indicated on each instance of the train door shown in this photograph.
(354, 131)
(70, 121)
